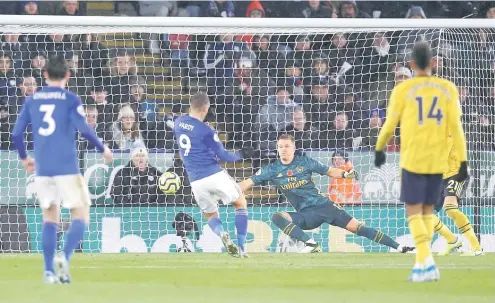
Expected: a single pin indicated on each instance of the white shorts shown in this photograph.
(70, 190)
(220, 186)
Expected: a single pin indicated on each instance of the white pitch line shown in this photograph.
(303, 266)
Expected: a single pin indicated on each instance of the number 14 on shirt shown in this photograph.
(433, 112)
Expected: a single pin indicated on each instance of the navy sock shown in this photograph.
(49, 242)
(74, 237)
(216, 225)
(241, 224)
(289, 228)
(376, 236)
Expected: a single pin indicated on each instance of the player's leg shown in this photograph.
(454, 191)
(292, 225)
(75, 197)
(49, 201)
(453, 242)
(337, 216)
(241, 222)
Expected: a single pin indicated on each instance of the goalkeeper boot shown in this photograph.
(311, 247)
(451, 247)
(232, 249)
(50, 278)
(62, 268)
(473, 253)
(405, 249)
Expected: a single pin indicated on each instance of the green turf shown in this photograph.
(328, 277)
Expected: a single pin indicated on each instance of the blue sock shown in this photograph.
(216, 225)
(74, 237)
(49, 242)
(241, 224)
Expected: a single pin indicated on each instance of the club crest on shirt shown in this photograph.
(289, 172)
(299, 169)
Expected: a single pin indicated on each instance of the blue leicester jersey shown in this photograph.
(200, 148)
(295, 180)
(55, 115)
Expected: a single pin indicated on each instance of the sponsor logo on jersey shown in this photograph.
(299, 169)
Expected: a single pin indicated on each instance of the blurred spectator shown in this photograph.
(178, 45)
(304, 134)
(54, 43)
(340, 190)
(19, 50)
(490, 12)
(123, 71)
(314, 9)
(140, 104)
(158, 8)
(94, 56)
(416, 12)
(36, 65)
(320, 104)
(4, 124)
(29, 8)
(274, 117)
(339, 135)
(137, 182)
(267, 56)
(292, 81)
(27, 87)
(402, 74)
(125, 131)
(255, 10)
(218, 8)
(78, 82)
(376, 57)
(303, 54)
(349, 9)
(70, 8)
(343, 58)
(107, 111)
(99, 128)
(369, 135)
(347, 103)
(8, 80)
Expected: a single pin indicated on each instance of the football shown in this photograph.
(169, 183)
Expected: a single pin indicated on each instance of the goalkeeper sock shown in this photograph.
(462, 222)
(49, 242)
(74, 237)
(289, 228)
(241, 224)
(443, 230)
(420, 235)
(216, 225)
(376, 235)
(430, 228)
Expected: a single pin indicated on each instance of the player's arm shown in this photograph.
(263, 175)
(332, 172)
(456, 130)
(78, 117)
(394, 112)
(213, 142)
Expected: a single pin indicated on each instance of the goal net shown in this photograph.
(326, 83)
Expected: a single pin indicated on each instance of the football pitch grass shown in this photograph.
(216, 278)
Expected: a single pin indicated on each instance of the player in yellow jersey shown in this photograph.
(453, 191)
(428, 110)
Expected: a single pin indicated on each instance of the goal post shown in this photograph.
(325, 81)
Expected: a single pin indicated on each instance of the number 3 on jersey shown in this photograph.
(185, 143)
(48, 119)
(433, 112)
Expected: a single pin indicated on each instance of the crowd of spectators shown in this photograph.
(328, 90)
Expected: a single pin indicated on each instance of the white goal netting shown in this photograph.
(326, 86)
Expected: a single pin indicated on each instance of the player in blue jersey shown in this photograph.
(200, 150)
(55, 115)
(293, 177)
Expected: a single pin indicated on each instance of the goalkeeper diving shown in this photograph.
(453, 191)
(293, 177)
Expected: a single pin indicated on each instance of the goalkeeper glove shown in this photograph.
(463, 172)
(379, 158)
(352, 174)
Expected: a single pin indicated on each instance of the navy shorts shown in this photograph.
(420, 188)
(314, 216)
(452, 187)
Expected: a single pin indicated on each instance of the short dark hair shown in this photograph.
(422, 55)
(56, 67)
(199, 100)
(287, 137)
